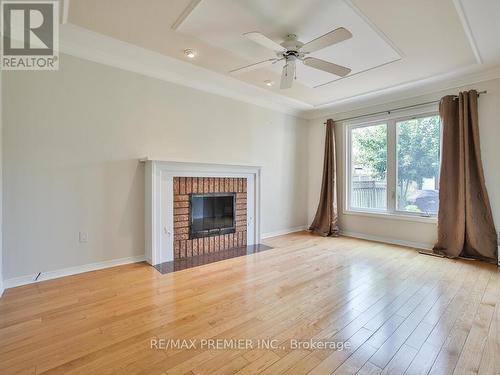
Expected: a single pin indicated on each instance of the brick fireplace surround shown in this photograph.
(183, 186)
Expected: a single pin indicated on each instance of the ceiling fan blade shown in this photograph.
(287, 75)
(326, 66)
(333, 37)
(257, 65)
(264, 41)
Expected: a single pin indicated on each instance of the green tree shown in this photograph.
(370, 149)
(418, 143)
(417, 152)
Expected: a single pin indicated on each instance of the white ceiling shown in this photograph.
(481, 21)
(395, 43)
(276, 19)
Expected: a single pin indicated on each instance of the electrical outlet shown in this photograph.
(83, 237)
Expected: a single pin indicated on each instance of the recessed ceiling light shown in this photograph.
(191, 53)
(269, 83)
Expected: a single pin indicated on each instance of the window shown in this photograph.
(418, 146)
(393, 166)
(369, 167)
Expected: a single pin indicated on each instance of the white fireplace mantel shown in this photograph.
(159, 207)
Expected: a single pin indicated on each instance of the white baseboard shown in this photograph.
(392, 241)
(49, 275)
(28, 279)
(284, 231)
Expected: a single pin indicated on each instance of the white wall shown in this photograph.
(72, 140)
(416, 233)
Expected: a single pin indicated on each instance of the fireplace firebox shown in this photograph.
(211, 214)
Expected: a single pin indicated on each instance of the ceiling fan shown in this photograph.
(292, 50)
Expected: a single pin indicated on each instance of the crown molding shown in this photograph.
(82, 43)
(451, 80)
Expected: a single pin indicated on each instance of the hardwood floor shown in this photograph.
(399, 312)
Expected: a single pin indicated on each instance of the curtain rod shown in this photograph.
(399, 109)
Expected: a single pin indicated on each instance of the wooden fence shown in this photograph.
(369, 194)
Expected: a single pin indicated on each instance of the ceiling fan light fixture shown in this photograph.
(293, 51)
(190, 53)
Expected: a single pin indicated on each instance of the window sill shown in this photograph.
(393, 216)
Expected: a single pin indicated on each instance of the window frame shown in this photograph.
(390, 120)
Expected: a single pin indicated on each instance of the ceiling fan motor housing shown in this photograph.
(291, 50)
(291, 43)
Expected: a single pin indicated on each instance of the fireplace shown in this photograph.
(211, 214)
(169, 186)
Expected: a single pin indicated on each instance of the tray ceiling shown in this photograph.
(276, 19)
(394, 42)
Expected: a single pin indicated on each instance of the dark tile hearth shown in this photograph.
(199, 260)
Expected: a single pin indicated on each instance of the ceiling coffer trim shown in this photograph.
(357, 73)
(468, 31)
(185, 14)
(374, 28)
(280, 38)
(103, 49)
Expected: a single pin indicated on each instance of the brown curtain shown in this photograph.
(465, 224)
(325, 221)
